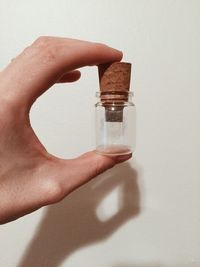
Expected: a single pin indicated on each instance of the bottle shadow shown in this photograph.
(73, 223)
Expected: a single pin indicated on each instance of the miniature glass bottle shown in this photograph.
(115, 111)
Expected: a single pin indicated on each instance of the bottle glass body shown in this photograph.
(115, 123)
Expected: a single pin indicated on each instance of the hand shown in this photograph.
(30, 177)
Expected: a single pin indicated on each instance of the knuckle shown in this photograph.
(13, 59)
(42, 41)
(53, 191)
(45, 48)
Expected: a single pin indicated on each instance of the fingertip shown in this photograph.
(111, 159)
(95, 163)
(105, 161)
(105, 54)
(120, 54)
(115, 159)
(117, 54)
(98, 163)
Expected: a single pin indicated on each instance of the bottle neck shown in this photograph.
(114, 96)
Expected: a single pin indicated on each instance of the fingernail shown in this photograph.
(123, 158)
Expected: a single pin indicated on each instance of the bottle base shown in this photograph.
(113, 150)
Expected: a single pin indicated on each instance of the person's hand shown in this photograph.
(30, 177)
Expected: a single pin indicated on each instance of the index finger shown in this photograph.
(40, 65)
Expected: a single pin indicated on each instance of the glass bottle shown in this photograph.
(115, 111)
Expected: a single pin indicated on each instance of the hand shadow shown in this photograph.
(73, 223)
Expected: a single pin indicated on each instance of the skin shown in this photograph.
(30, 177)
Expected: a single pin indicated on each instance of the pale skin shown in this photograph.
(30, 177)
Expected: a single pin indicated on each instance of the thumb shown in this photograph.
(88, 166)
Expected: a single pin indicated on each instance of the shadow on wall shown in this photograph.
(73, 223)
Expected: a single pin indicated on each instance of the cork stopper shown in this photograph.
(114, 80)
(114, 77)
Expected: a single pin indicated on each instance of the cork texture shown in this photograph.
(114, 76)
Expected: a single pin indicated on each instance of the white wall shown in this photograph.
(149, 210)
